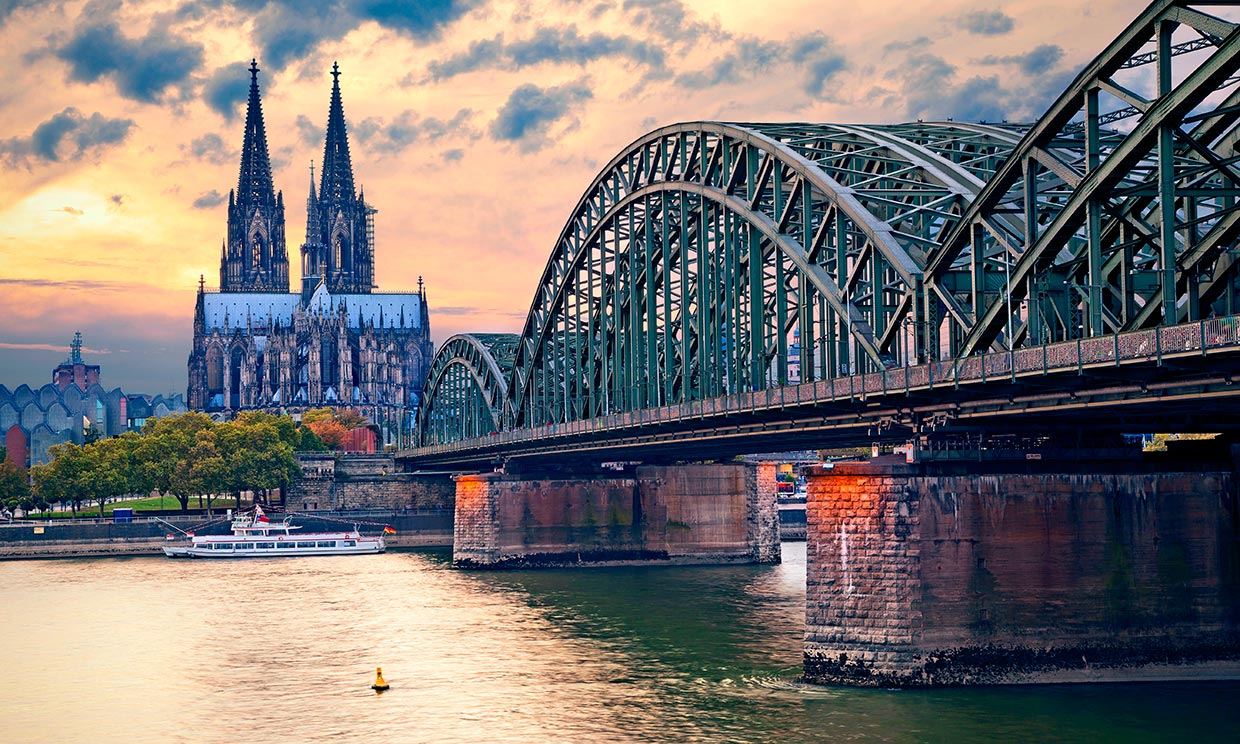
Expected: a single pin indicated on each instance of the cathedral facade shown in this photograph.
(336, 342)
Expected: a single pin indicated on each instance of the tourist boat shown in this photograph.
(256, 536)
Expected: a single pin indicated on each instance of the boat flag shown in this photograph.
(387, 530)
(259, 516)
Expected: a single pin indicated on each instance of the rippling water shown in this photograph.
(284, 650)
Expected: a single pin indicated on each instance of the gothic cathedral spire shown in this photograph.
(255, 257)
(339, 248)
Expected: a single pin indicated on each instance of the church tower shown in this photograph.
(339, 248)
(254, 257)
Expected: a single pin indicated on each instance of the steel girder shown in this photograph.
(1119, 229)
(466, 388)
(709, 258)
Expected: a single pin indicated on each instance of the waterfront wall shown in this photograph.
(330, 482)
(920, 575)
(686, 514)
(65, 538)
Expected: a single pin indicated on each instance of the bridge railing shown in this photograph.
(1151, 345)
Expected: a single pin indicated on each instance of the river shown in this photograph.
(284, 650)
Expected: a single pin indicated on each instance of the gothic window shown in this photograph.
(329, 363)
(215, 371)
(235, 378)
(257, 255)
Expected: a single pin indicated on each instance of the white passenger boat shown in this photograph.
(256, 536)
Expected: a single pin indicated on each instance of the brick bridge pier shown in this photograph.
(722, 513)
(940, 573)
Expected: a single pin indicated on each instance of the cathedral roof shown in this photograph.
(239, 310)
(254, 185)
(337, 179)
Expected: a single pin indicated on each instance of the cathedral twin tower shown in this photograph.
(336, 342)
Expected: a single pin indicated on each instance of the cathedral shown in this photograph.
(337, 342)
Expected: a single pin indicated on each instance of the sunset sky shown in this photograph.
(474, 127)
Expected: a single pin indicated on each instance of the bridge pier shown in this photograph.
(932, 574)
(718, 513)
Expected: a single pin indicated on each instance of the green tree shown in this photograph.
(14, 488)
(65, 478)
(308, 441)
(164, 454)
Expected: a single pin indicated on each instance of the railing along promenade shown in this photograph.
(1135, 347)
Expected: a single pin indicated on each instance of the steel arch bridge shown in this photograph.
(713, 260)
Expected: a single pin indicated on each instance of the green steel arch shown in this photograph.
(1127, 195)
(466, 388)
(709, 259)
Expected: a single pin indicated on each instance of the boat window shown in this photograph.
(349, 543)
(286, 545)
(223, 546)
(265, 545)
(305, 545)
(245, 546)
(327, 543)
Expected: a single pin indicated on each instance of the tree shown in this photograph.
(14, 487)
(308, 441)
(165, 450)
(331, 432)
(110, 469)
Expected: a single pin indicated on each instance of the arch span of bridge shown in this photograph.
(720, 276)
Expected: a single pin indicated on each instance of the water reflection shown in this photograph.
(284, 651)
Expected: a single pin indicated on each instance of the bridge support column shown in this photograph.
(722, 513)
(930, 574)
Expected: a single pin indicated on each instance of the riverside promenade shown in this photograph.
(94, 537)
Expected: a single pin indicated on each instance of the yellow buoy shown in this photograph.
(379, 685)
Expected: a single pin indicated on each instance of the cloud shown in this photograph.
(142, 68)
(530, 111)
(211, 148)
(669, 20)
(209, 200)
(565, 46)
(70, 210)
(48, 347)
(921, 42)
(379, 135)
(451, 156)
(751, 56)
(227, 87)
(987, 22)
(308, 132)
(288, 30)
(814, 53)
(117, 199)
(88, 284)
(481, 53)
(1034, 62)
(930, 90)
(66, 136)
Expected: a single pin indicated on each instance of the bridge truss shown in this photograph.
(709, 259)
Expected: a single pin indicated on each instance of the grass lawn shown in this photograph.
(149, 503)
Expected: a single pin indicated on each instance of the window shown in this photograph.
(348, 543)
(223, 546)
(286, 545)
(268, 546)
(327, 543)
(245, 546)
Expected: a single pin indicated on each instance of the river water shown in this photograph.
(284, 650)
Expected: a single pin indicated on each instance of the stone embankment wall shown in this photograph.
(365, 482)
(63, 538)
(918, 576)
(688, 514)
